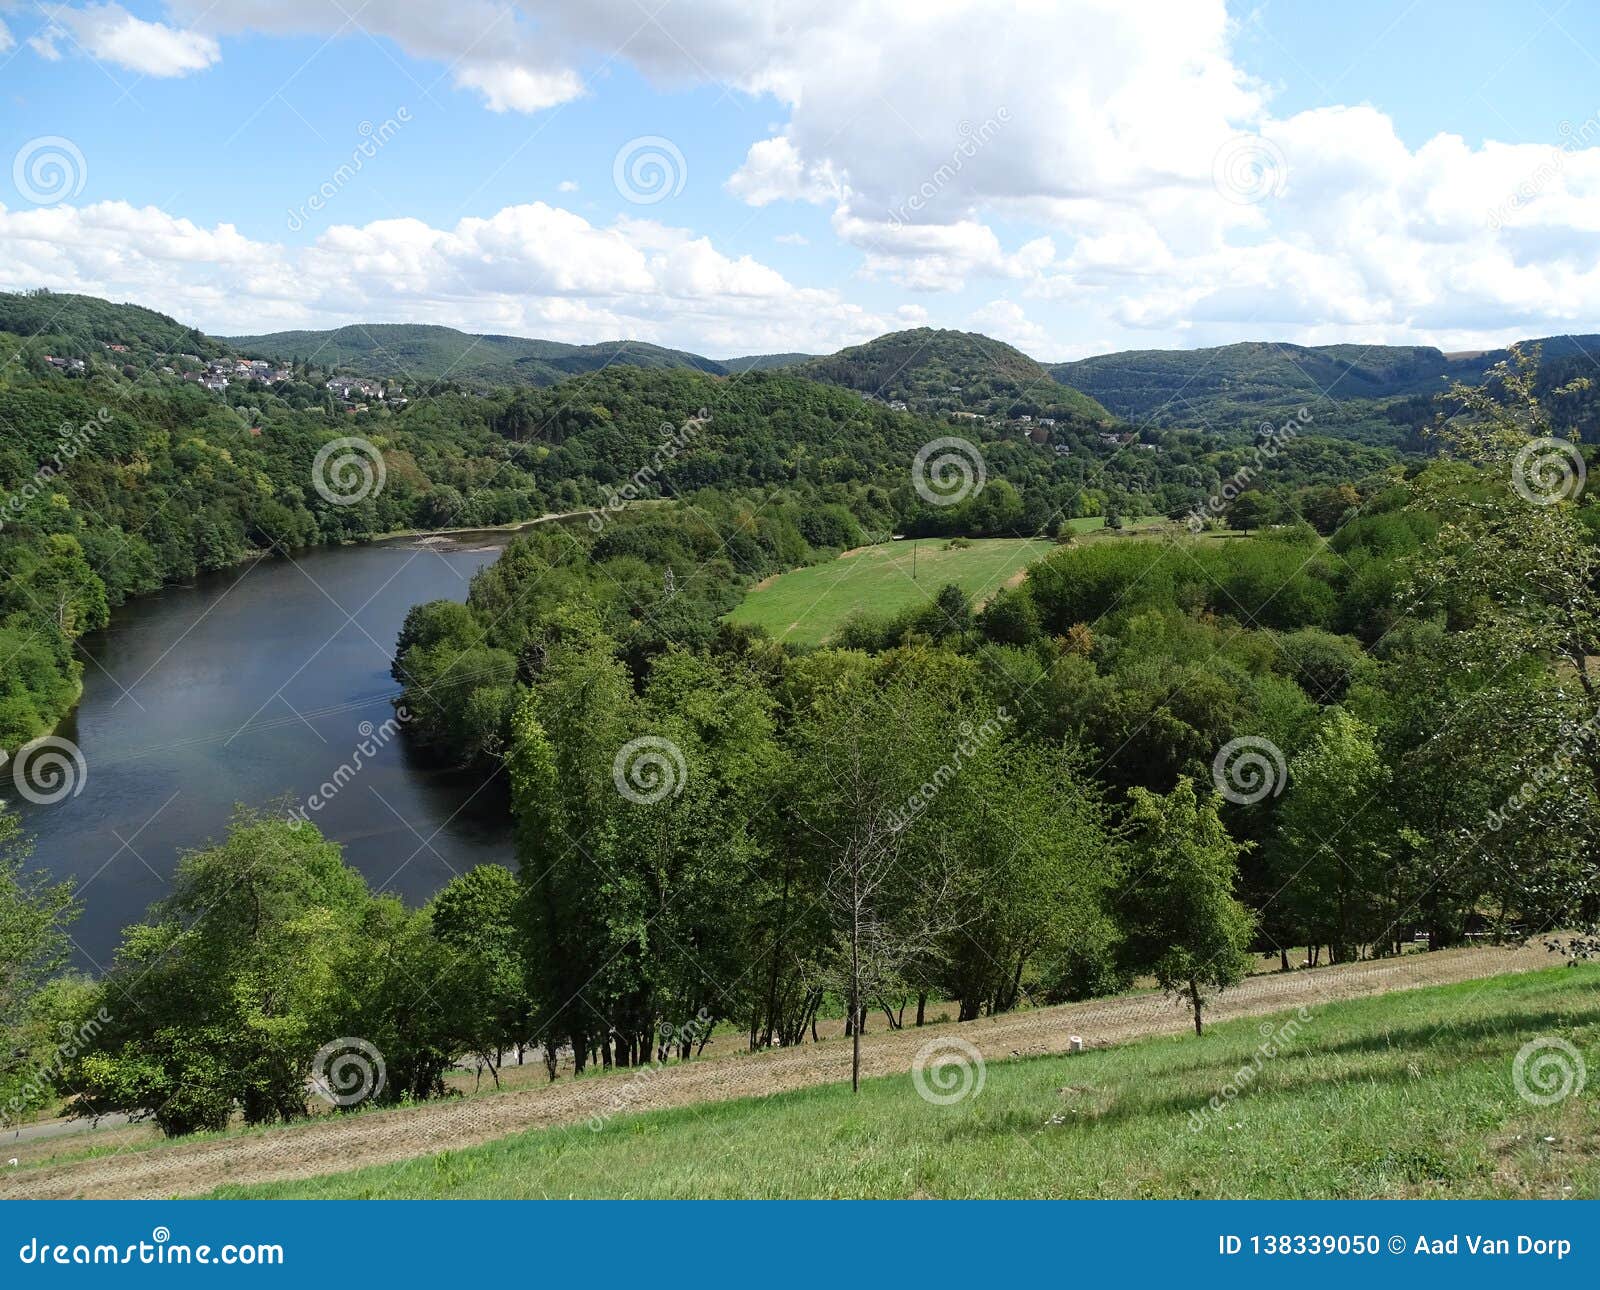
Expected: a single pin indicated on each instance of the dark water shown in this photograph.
(245, 687)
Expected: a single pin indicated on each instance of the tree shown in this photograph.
(869, 746)
(1027, 831)
(475, 919)
(1183, 923)
(1252, 510)
(221, 999)
(1332, 859)
(1501, 706)
(34, 915)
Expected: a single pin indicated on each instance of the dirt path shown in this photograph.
(339, 1143)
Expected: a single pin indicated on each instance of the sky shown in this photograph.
(733, 177)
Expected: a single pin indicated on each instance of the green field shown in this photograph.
(807, 605)
(1407, 1094)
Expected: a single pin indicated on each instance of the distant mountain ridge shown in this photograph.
(1231, 384)
(425, 352)
(1373, 393)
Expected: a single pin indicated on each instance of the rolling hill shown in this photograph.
(937, 370)
(764, 362)
(88, 323)
(425, 353)
(1349, 386)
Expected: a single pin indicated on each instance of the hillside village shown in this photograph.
(351, 393)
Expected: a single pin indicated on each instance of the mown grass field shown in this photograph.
(1407, 1094)
(807, 605)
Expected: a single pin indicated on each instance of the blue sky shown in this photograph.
(1402, 171)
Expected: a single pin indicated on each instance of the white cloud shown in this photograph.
(503, 51)
(567, 186)
(532, 269)
(792, 239)
(507, 87)
(7, 40)
(108, 33)
(773, 171)
(44, 44)
(1005, 320)
(949, 159)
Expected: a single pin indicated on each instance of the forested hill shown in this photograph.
(764, 362)
(418, 353)
(85, 325)
(1369, 391)
(933, 370)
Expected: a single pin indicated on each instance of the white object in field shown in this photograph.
(1075, 1043)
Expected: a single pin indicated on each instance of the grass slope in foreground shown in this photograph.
(1408, 1094)
(807, 605)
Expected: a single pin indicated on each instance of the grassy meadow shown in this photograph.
(807, 605)
(1407, 1094)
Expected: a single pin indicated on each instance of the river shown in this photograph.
(252, 686)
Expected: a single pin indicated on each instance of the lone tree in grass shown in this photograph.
(1184, 925)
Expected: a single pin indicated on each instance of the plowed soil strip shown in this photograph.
(337, 1143)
